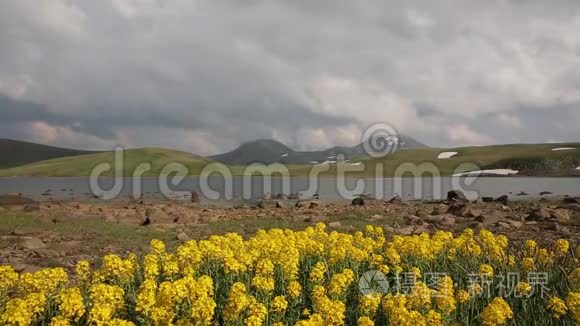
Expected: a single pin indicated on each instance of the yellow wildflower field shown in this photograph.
(309, 277)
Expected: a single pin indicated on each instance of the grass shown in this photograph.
(529, 159)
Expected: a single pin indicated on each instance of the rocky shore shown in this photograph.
(37, 234)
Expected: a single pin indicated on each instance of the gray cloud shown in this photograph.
(205, 75)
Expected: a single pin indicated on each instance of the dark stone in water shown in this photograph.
(358, 202)
(487, 199)
(502, 199)
(543, 193)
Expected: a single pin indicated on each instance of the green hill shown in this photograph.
(529, 159)
(83, 165)
(15, 153)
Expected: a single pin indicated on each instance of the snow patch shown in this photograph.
(446, 155)
(578, 168)
(492, 171)
(562, 149)
(284, 155)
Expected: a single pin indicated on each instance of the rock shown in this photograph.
(456, 195)
(317, 219)
(281, 204)
(573, 207)
(571, 200)
(47, 253)
(156, 215)
(552, 226)
(358, 202)
(436, 219)
(182, 236)
(473, 212)
(560, 215)
(458, 209)
(31, 243)
(489, 219)
(487, 199)
(334, 224)
(476, 225)
(539, 215)
(440, 209)
(522, 193)
(423, 229)
(22, 231)
(314, 204)
(194, 197)
(413, 220)
(515, 224)
(377, 217)
(307, 203)
(502, 199)
(504, 224)
(396, 200)
(543, 193)
(448, 220)
(421, 213)
(407, 230)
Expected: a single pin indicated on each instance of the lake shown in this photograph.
(329, 189)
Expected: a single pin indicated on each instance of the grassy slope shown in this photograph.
(534, 159)
(84, 164)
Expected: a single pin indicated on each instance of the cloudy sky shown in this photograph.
(205, 75)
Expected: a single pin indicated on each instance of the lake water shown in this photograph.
(329, 189)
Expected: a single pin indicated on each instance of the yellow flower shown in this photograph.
(528, 264)
(8, 278)
(557, 307)
(294, 289)
(369, 304)
(317, 273)
(83, 270)
(486, 270)
(263, 283)
(462, 296)
(561, 247)
(433, 318)
(23, 311)
(530, 247)
(279, 304)
(574, 278)
(573, 303)
(498, 312)
(71, 304)
(523, 289)
(365, 321)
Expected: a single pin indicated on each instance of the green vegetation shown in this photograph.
(84, 164)
(529, 159)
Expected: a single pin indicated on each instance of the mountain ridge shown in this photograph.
(268, 151)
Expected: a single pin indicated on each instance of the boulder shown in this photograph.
(456, 195)
(543, 193)
(31, 243)
(487, 199)
(571, 200)
(539, 215)
(307, 203)
(156, 215)
(422, 213)
(560, 215)
(458, 209)
(440, 209)
(447, 220)
(334, 224)
(476, 225)
(489, 219)
(194, 197)
(502, 199)
(182, 236)
(407, 230)
(377, 217)
(413, 220)
(396, 200)
(281, 204)
(358, 202)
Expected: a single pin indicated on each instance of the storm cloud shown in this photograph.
(205, 75)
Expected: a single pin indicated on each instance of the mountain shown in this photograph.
(15, 152)
(82, 165)
(268, 151)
